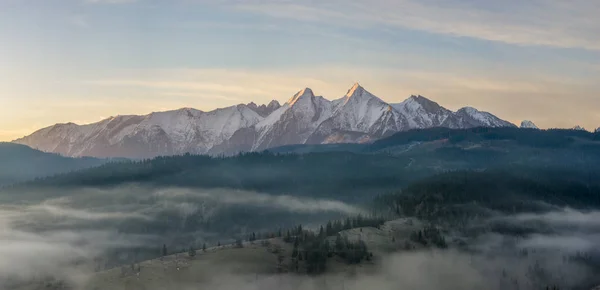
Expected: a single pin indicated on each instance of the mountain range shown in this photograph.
(357, 117)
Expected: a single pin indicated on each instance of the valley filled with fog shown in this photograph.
(482, 209)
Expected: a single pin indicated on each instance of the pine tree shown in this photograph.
(339, 244)
(192, 252)
(295, 251)
(329, 229)
(204, 247)
(348, 224)
(164, 250)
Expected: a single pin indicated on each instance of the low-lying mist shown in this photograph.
(78, 232)
(59, 236)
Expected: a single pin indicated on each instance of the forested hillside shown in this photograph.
(20, 163)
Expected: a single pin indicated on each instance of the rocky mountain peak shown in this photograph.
(528, 124)
(305, 93)
(303, 119)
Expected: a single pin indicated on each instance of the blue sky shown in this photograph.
(84, 60)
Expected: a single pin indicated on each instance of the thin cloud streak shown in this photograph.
(533, 22)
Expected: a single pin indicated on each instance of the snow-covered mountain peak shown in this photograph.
(423, 102)
(305, 93)
(273, 105)
(264, 110)
(303, 119)
(421, 112)
(469, 110)
(579, 128)
(470, 115)
(358, 96)
(597, 130)
(528, 125)
(356, 89)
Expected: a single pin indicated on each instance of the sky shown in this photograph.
(85, 60)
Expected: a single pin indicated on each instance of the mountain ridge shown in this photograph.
(528, 125)
(356, 117)
(21, 163)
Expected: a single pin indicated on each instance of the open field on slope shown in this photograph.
(256, 260)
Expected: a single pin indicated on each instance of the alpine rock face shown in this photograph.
(162, 133)
(469, 117)
(423, 113)
(597, 130)
(358, 116)
(528, 125)
(264, 110)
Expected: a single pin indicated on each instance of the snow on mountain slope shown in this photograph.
(293, 122)
(469, 117)
(357, 117)
(421, 112)
(160, 133)
(597, 130)
(579, 128)
(264, 110)
(528, 124)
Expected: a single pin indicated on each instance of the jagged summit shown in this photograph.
(274, 105)
(356, 89)
(358, 116)
(528, 125)
(579, 128)
(302, 94)
(252, 105)
(421, 112)
(264, 110)
(359, 96)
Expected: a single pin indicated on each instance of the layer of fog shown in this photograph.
(58, 236)
(45, 239)
(284, 202)
(58, 253)
(568, 231)
(427, 270)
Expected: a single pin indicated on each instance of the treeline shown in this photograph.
(553, 138)
(469, 194)
(311, 250)
(430, 236)
(332, 174)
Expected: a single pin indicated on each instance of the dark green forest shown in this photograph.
(465, 193)
(20, 163)
(451, 180)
